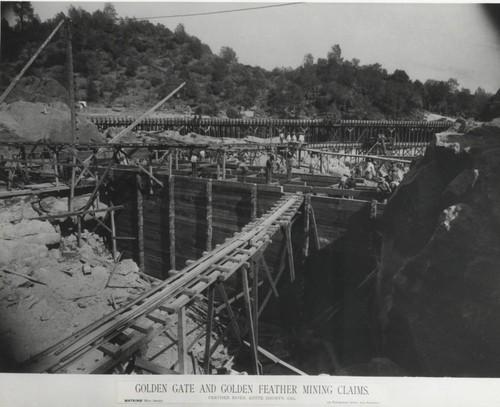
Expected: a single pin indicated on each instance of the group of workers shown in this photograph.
(388, 175)
(292, 138)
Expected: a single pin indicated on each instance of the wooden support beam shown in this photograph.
(224, 164)
(281, 270)
(376, 157)
(209, 215)
(72, 185)
(255, 301)
(79, 231)
(315, 230)
(289, 249)
(79, 213)
(123, 132)
(269, 276)
(253, 202)
(277, 360)
(152, 367)
(113, 233)
(208, 337)
(248, 308)
(181, 340)
(307, 210)
(150, 173)
(229, 310)
(140, 224)
(171, 220)
(170, 164)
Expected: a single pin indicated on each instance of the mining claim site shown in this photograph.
(161, 244)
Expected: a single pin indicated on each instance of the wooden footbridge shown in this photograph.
(115, 338)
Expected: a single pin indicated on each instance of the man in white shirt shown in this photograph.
(194, 163)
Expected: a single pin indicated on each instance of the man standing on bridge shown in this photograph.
(194, 163)
(269, 168)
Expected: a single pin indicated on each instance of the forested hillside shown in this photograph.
(127, 62)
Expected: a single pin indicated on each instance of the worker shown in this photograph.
(289, 163)
(244, 170)
(202, 155)
(269, 169)
(383, 188)
(288, 138)
(282, 138)
(302, 138)
(294, 138)
(343, 182)
(370, 169)
(194, 164)
(351, 181)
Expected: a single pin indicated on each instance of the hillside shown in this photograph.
(131, 64)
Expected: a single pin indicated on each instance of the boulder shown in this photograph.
(438, 284)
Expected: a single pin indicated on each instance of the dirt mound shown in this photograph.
(438, 284)
(38, 90)
(26, 121)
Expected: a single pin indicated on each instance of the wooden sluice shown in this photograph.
(315, 130)
(94, 349)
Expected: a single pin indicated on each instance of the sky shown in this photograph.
(429, 41)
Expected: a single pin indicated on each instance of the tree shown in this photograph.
(335, 54)
(228, 55)
(308, 60)
(24, 13)
(110, 11)
(400, 76)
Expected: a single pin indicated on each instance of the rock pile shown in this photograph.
(438, 283)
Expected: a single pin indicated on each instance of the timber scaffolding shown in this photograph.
(196, 217)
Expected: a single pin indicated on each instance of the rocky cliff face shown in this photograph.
(439, 277)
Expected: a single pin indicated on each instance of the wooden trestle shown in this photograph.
(166, 304)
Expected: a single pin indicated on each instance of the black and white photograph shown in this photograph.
(307, 191)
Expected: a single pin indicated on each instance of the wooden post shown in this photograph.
(229, 310)
(181, 340)
(315, 230)
(79, 231)
(176, 159)
(269, 276)
(248, 308)
(224, 164)
(71, 81)
(281, 270)
(218, 165)
(96, 177)
(72, 186)
(208, 337)
(209, 215)
(170, 164)
(113, 232)
(171, 221)
(255, 291)
(56, 167)
(289, 249)
(253, 200)
(10, 179)
(307, 209)
(140, 224)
